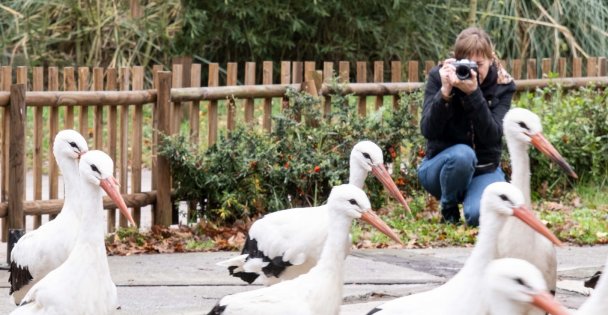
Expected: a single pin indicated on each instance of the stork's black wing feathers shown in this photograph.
(19, 277)
(217, 309)
(592, 282)
(274, 268)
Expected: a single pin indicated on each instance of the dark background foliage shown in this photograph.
(108, 32)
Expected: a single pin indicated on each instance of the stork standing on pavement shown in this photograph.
(522, 128)
(285, 244)
(44, 249)
(82, 284)
(461, 294)
(319, 292)
(512, 285)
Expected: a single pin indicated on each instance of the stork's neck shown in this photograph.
(337, 243)
(357, 174)
(486, 246)
(596, 304)
(71, 183)
(92, 228)
(520, 167)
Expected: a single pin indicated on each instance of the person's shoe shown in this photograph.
(451, 215)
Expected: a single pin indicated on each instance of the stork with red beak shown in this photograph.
(82, 284)
(461, 295)
(523, 128)
(319, 292)
(512, 286)
(287, 243)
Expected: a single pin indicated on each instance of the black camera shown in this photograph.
(463, 68)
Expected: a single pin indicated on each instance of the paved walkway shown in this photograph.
(192, 283)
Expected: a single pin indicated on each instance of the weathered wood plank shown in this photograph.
(53, 85)
(267, 79)
(123, 165)
(111, 85)
(137, 142)
(83, 117)
(163, 213)
(16, 191)
(38, 85)
(213, 119)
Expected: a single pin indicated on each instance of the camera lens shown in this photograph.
(463, 72)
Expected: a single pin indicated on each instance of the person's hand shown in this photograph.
(467, 86)
(448, 74)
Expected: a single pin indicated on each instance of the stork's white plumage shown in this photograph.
(522, 128)
(461, 294)
(597, 303)
(285, 244)
(82, 284)
(511, 286)
(46, 248)
(319, 292)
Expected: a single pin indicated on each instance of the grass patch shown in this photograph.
(579, 217)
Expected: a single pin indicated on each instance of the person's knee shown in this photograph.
(463, 156)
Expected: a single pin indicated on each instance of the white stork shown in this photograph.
(522, 128)
(44, 249)
(461, 294)
(597, 303)
(82, 284)
(318, 292)
(285, 244)
(512, 285)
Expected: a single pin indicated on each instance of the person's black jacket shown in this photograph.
(474, 120)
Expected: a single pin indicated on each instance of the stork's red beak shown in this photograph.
(385, 178)
(547, 303)
(543, 145)
(111, 188)
(372, 218)
(528, 217)
(80, 154)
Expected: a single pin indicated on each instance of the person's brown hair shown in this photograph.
(473, 41)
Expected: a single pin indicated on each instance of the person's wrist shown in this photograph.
(446, 94)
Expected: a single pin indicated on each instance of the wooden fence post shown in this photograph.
(16, 191)
(164, 205)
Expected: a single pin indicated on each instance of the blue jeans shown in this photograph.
(449, 177)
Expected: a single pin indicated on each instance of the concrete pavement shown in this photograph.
(192, 283)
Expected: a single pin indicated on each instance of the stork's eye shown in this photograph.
(504, 197)
(353, 202)
(366, 155)
(523, 125)
(74, 145)
(95, 169)
(521, 282)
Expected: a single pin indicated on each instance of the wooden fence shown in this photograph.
(119, 112)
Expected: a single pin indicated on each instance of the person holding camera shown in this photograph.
(465, 101)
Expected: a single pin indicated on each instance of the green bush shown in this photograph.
(576, 123)
(250, 172)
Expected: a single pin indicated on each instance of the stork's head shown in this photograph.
(69, 144)
(351, 201)
(368, 156)
(518, 281)
(97, 168)
(501, 199)
(523, 126)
